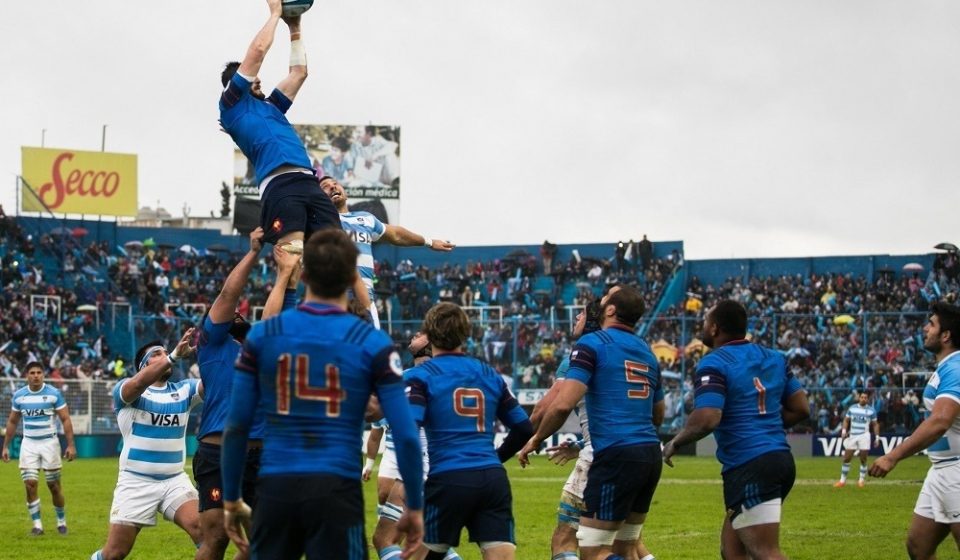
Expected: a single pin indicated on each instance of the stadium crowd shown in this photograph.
(839, 333)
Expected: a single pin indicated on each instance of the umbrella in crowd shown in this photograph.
(122, 251)
(913, 267)
(188, 249)
(843, 320)
(86, 307)
(949, 247)
(797, 351)
(79, 232)
(61, 231)
(149, 242)
(165, 246)
(133, 245)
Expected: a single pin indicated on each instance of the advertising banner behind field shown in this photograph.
(365, 159)
(79, 182)
(832, 445)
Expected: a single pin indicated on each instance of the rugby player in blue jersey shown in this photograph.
(221, 334)
(458, 399)
(292, 207)
(746, 396)
(365, 229)
(937, 512)
(311, 370)
(620, 377)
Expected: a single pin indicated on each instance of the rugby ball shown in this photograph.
(293, 8)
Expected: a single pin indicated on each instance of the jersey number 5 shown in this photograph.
(332, 394)
(635, 374)
(469, 402)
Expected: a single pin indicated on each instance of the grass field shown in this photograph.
(820, 522)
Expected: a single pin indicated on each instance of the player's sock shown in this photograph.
(61, 516)
(452, 555)
(844, 471)
(34, 509)
(565, 556)
(649, 557)
(863, 473)
(98, 555)
(390, 553)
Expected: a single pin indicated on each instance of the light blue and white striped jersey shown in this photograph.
(387, 434)
(945, 384)
(860, 418)
(364, 229)
(38, 410)
(153, 428)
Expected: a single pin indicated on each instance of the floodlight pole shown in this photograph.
(103, 139)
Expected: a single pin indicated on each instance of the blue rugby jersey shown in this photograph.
(153, 427)
(260, 128)
(217, 353)
(623, 383)
(312, 370)
(38, 410)
(457, 399)
(749, 383)
(945, 384)
(364, 229)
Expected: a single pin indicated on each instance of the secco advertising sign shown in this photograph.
(78, 182)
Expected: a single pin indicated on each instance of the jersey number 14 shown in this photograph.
(299, 382)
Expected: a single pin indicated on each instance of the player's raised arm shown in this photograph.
(290, 85)
(225, 305)
(403, 237)
(261, 43)
(149, 370)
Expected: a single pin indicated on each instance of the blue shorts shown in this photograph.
(479, 500)
(312, 515)
(622, 480)
(206, 474)
(764, 478)
(295, 202)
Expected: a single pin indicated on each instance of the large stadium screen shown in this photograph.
(364, 158)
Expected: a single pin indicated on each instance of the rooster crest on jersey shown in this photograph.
(293, 8)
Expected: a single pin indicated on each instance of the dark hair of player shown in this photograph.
(949, 317)
(629, 305)
(731, 318)
(143, 350)
(34, 364)
(447, 326)
(229, 70)
(329, 263)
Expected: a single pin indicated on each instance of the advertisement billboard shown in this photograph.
(365, 159)
(78, 182)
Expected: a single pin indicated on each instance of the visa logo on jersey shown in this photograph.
(361, 236)
(165, 419)
(34, 412)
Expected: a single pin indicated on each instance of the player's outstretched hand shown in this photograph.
(562, 453)
(236, 515)
(441, 245)
(256, 240)
(70, 453)
(184, 349)
(882, 466)
(411, 525)
(286, 261)
(669, 450)
(367, 470)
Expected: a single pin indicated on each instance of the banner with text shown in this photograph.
(79, 182)
(365, 159)
(832, 445)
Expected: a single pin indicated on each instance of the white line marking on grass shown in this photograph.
(717, 481)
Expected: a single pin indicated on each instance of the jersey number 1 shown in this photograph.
(761, 395)
(332, 394)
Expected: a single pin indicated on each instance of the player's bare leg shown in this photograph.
(120, 539)
(730, 546)
(187, 518)
(592, 543)
(214, 541)
(627, 544)
(384, 487)
(762, 541)
(844, 469)
(56, 495)
(30, 484)
(291, 241)
(862, 481)
(564, 541)
(925, 535)
(500, 551)
(385, 534)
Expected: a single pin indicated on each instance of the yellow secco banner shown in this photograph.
(78, 182)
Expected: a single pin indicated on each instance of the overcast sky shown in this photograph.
(742, 128)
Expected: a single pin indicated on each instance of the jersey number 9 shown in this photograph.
(469, 402)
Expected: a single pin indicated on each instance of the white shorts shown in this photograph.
(40, 454)
(940, 495)
(857, 443)
(577, 480)
(137, 500)
(389, 468)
